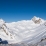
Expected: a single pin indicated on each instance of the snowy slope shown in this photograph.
(27, 31)
(4, 33)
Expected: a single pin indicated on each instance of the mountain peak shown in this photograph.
(37, 20)
(2, 22)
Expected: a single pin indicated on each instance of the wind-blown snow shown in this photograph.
(27, 31)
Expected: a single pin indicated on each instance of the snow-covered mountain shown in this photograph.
(26, 31)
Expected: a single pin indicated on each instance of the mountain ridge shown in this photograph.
(16, 32)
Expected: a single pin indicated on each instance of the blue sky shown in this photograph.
(16, 10)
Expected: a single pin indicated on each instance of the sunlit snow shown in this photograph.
(27, 31)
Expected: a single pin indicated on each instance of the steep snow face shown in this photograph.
(4, 33)
(26, 31)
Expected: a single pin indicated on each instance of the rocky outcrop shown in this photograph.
(5, 29)
(36, 20)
